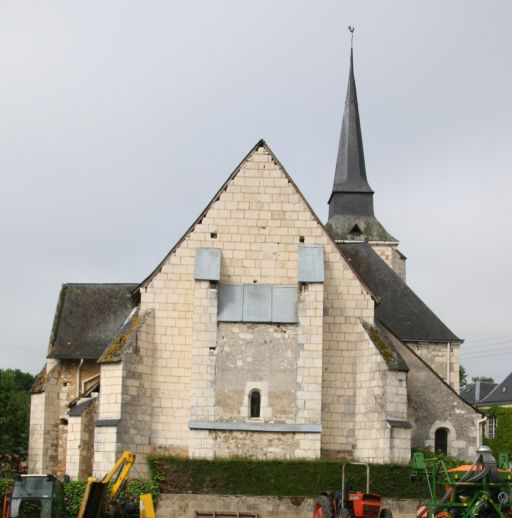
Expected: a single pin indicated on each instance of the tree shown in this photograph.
(463, 377)
(14, 411)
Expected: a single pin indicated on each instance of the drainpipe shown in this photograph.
(448, 362)
(479, 438)
(78, 377)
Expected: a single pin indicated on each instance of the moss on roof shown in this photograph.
(41, 380)
(386, 349)
(125, 337)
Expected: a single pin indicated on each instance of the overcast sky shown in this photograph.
(119, 120)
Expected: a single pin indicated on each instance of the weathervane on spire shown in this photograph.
(351, 29)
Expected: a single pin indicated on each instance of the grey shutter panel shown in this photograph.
(230, 303)
(207, 266)
(311, 263)
(284, 304)
(257, 303)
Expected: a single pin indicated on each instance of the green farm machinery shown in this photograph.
(482, 489)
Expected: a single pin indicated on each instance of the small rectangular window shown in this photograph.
(491, 426)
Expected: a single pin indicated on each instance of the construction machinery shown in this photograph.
(350, 504)
(42, 496)
(34, 496)
(482, 489)
(95, 505)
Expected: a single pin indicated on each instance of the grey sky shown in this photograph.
(119, 120)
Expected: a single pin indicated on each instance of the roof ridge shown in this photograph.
(495, 389)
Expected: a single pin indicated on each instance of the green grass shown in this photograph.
(278, 478)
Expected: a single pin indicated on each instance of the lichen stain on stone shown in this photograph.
(118, 343)
(381, 345)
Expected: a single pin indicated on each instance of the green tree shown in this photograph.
(14, 411)
(463, 376)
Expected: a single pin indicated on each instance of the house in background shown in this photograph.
(262, 333)
(475, 392)
(488, 396)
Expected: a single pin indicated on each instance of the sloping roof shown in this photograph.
(474, 394)
(41, 380)
(87, 318)
(79, 408)
(501, 394)
(125, 337)
(386, 348)
(402, 348)
(351, 227)
(399, 308)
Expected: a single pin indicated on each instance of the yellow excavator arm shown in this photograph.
(119, 473)
(94, 495)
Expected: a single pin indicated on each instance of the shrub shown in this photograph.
(276, 477)
(502, 443)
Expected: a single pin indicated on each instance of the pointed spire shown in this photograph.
(351, 215)
(350, 174)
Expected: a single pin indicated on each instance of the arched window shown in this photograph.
(441, 441)
(254, 403)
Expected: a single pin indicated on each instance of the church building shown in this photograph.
(263, 333)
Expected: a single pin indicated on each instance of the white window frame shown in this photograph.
(492, 424)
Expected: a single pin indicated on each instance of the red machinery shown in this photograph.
(350, 504)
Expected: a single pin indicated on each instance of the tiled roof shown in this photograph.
(399, 308)
(87, 318)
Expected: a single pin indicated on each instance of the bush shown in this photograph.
(277, 478)
(502, 443)
(73, 493)
(4, 482)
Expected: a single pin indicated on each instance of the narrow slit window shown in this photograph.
(255, 403)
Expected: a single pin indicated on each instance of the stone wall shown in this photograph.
(186, 505)
(266, 445)
(80, 443)
(392, 256)
(436, 355)
(137, 404)
(433, 405)
(107, 441)
(380, 400)
(261, 356)
(48, 421)
(44, 424)
(258, 221)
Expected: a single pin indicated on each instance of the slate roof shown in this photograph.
(473, 394)
(78, 409)
(351, 214)
(87, 318)
(351, 227)
(350, 174)
(501, 394)
(399, 308)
